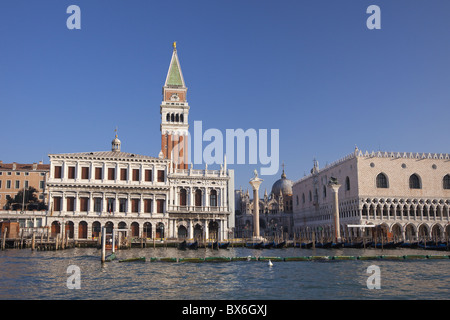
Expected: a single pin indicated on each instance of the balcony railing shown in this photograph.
(188, 209)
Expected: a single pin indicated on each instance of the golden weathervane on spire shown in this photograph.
(175, 45)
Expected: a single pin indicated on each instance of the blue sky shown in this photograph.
(311, 69)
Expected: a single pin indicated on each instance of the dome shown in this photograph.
(115, 144)
(284, 185)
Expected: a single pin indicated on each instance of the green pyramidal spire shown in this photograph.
(174, 76)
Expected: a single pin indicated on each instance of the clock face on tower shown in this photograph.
(174, 97)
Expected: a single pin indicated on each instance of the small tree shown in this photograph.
(31, 201)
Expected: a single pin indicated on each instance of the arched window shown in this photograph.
(447, 181)
(181, 118)
(324, 191)
(347, 183)
(382, 181)
(177, 118)
(303, 197)
(414, 182)
(168, 117)
(310, 196)
(172, 117)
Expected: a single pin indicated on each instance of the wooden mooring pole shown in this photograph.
(33, 241)
(103, 244)
(4, 238)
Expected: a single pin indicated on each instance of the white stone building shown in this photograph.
(406, 194)
(153, 197)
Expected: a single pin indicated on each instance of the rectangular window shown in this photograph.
(0, 184)
(41, 184)
(17, 173)
(84, 204)
(98, 173)
(71, 172)
(70, 203)
(98, 204)
(135, 205)
(57, 172)
(85, 173)
(111, 173)
(147, 205)
(8, 184)
(160, 175)
(17, 186)
(123, 174)
(57, 203)
(148, 175)
(122, 205)
(111, 205)
(26, 184)
(135, 174)
(160, 206)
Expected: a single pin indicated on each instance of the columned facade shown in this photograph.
(406, 195)
(153, 197)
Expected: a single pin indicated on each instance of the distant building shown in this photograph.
(154, 197)
(15, 176)
(275, 211)
(405, 194)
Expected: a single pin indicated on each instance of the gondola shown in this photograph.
(434, 246)
(387, 245)
(213, 245)
(337, 245)
(306, 245)
(354, 245)
(193, 246)
(327, 245)
(268, 245)
(182, 245)
(280, 245)
(224, 245)
(255, 245)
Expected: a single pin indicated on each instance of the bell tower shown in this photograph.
(174, 115)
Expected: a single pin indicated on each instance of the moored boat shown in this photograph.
(182, 245)
(193, 246)
(280, 244)
(254, 245)
(224, 245)
(306, 245)
(268, 245)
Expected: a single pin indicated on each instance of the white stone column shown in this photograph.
(255, 182)
(190, 229)
(206, 229)
(63, 205)
(334, 185)
(153, 205)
